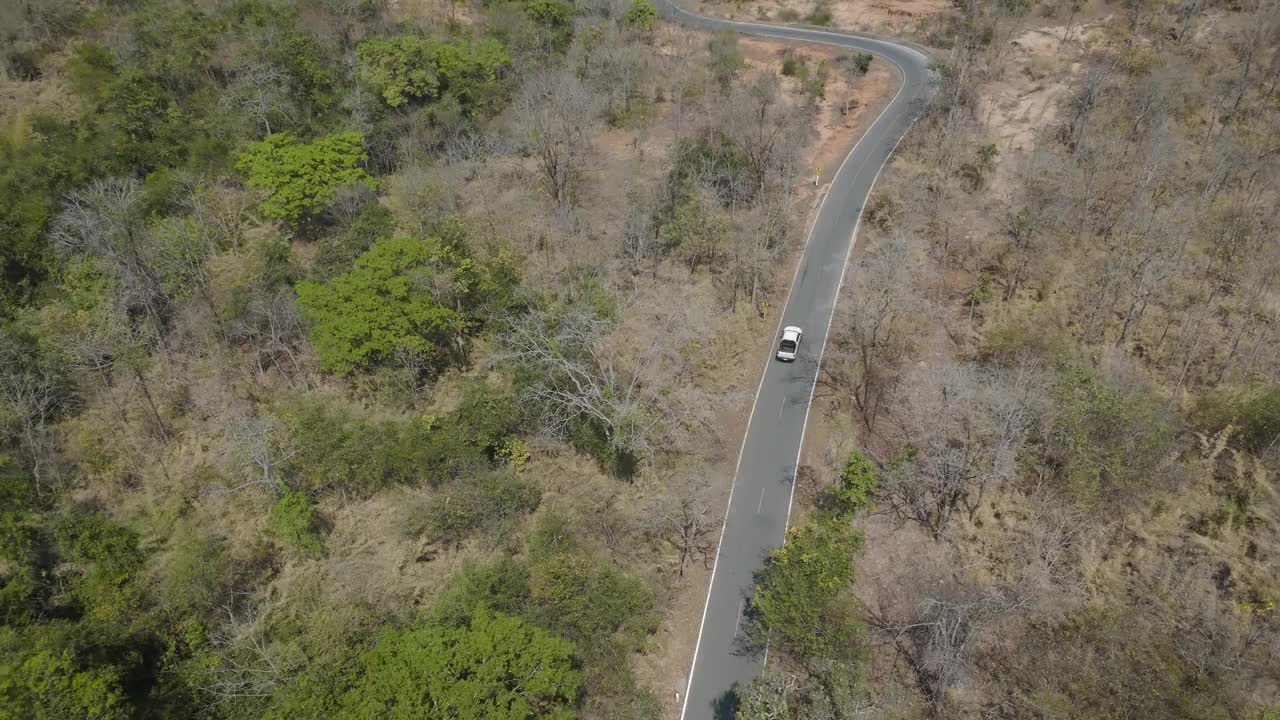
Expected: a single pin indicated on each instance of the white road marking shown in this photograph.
(760, 504)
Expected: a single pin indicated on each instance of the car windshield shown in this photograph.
(789, 345)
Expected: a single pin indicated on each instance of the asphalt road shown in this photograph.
(760, 501)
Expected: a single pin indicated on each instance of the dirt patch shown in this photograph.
(1040, 71)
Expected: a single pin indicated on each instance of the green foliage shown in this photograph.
(386, 304)
(108, 558)
(814, 83)
(497, 667)
(501, 586)
(336, 449)
(50, 684)
(642, 15)
(303, 178)
(338, 252)
(858, 63)
(1109, 440)
(857, 489)
(1255, 413)
(293, 521)
(801, 599)
(409, 68)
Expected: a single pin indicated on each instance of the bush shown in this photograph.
(1255, 412)
(882, 212)
(293, 522)
(490, 503)
(108, 558)
(821, 15)
(1109, 440)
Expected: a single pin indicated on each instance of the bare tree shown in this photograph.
(876, 329)
(686, 521)
(582, 377)
(34, 394)
(105, 220)
(965, 426)
(555, 114)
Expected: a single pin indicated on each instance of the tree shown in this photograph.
(877, 331)
(642, 15)
(393, 300)
(556, 113)
(495, 667)
(303, 178)
(580, 382)
(800, 596)
(857, 488)
(726, 57)
(49, 684)
(408, 68)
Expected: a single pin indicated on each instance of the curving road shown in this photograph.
(760, 500)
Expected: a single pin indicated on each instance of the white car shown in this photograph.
(790, 343)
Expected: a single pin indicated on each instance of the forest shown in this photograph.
(389, 359)
(368, 359)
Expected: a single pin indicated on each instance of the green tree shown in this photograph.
(642, 15)
(385, 303)
(800, 597)
(497, 667)
(303, 178)
(49, 684)
(857, 487)
(408, 68)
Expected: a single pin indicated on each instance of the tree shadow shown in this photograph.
(726, 706)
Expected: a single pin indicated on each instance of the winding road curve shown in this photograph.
(760, 499)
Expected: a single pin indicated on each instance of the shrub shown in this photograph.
(1109, 440)
(490, 503)
(293, 522)
(1255, 412)
(821, 15)
(882, 212)
(108, 558)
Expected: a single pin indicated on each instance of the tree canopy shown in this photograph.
(303, 178)
(408, 68)
(388, 303)
(497, 667)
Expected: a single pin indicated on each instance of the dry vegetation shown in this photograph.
(1059, 346)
